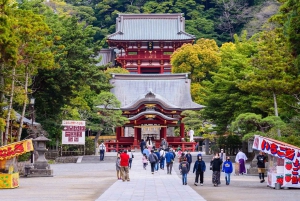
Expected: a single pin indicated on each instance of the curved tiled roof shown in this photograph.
(150, 27)
(172, 89)
(150, 97)
(152, 112)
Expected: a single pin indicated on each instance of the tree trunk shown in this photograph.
(276, 112)
(24, 104)
(1, 97)
(10, 105)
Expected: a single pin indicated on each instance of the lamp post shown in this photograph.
(31, 103)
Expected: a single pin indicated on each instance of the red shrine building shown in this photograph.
(151, 97)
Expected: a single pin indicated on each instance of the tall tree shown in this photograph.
(272, 72)
(223, 99)
(289, 20)
(8, 54)
(33, 52)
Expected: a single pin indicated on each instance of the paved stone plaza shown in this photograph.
(92, 180)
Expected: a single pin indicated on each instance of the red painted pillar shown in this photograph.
(118, 133)
(135, 136)
(182, 130)
(165, 133)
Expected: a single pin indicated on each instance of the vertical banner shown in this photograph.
(73, 132)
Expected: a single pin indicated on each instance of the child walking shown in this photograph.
(145, 161)
(184, 169)
(227, 168)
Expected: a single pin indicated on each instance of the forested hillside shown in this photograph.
(214, 19)
(48, 49)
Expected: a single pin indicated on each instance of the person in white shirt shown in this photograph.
(130, 154)
(223, 155)
(241, 159)
(102, 150)
(162, 154)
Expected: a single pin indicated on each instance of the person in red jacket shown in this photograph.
(124, 165)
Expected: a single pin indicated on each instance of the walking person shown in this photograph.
(261, 159)
(102, 151)
(199, 168)
(153, 160)
(162, 154)
(118, 166)
(130, 154)
(216, 168)
(156, 152)
(149, 144)
(189, 159)
(227, 168)
(124, 165)
(241, 160)
(184, 169)
(142, 145)
(223, 155)
(169, 161)
(145, 161)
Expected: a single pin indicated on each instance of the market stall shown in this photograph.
(284, 161)
(9, 176)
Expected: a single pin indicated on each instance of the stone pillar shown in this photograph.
(207, 146)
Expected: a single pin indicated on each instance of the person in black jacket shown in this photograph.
(216, 168)
(142, 145)
(189, 159)
(200, 168)
(261, 159)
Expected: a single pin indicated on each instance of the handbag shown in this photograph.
(132, 156)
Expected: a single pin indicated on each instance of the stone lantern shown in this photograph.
(41, 168)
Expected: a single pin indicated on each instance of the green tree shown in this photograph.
(200, 60)
(223, 99)
(106, 114)
(250, 124)
(33, 52)
(289, 20)
(8, 54)
(272, 72)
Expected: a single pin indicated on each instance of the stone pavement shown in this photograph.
(145, 186)
(91, 180)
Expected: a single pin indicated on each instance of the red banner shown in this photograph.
(15, 149)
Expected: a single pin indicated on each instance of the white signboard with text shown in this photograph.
(73, 132)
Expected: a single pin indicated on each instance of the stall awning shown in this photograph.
(15, 149)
